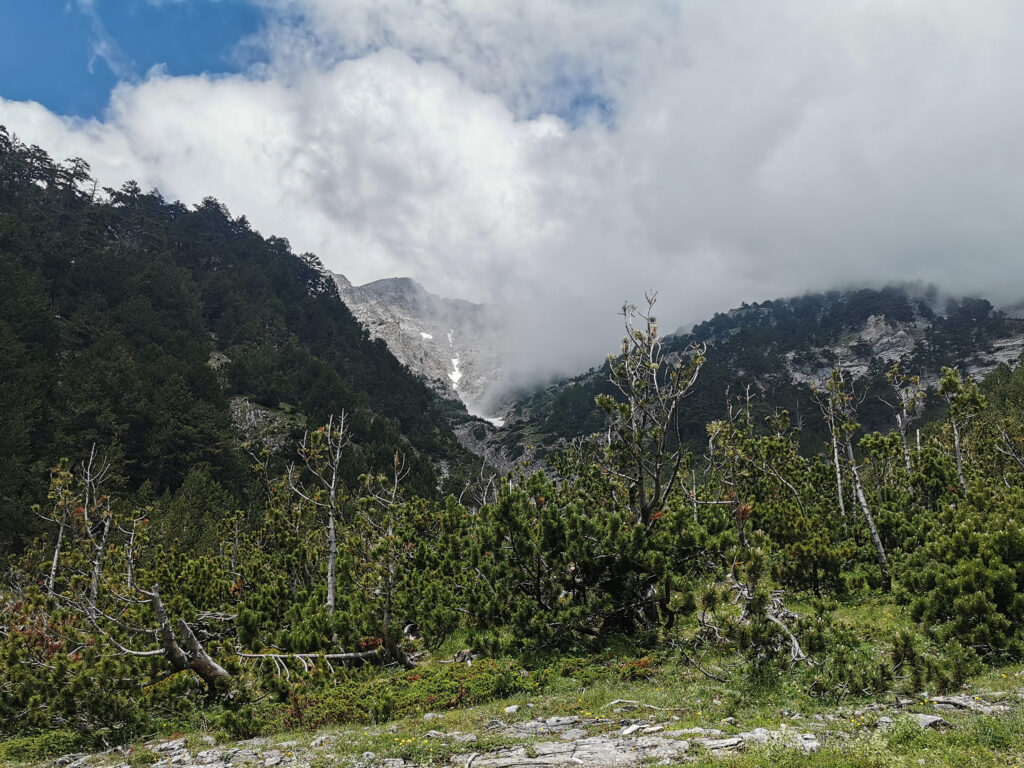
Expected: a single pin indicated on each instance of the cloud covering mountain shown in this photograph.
(565, 156)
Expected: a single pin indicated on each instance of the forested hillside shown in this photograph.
(774, 349)
(138, 325)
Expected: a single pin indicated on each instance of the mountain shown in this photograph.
(452, 343)
(165, 335)
(777, 349)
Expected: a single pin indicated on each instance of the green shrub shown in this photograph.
(41, 747)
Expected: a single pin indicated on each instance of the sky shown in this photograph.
(562, 156)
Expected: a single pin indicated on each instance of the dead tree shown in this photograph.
(839, 410)
(321, 452)
(910, 396)
(378, 511)
(93, 474)
(964, 401)
(643, 445)
(115, 614)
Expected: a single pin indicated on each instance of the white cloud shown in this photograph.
(736, 152)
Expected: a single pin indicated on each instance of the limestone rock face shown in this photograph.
(454, 344)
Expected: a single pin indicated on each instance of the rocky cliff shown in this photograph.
(454, 344)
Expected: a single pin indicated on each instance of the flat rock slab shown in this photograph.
(597, 751)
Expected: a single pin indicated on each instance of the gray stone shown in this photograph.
(433, 716)
(573, 734)
(654, 729)
(511, 710)
(710, 732)
(68, 759)
(631, 729)
(561, 722)
(321, 741)
(168, 746)
(719, 744)
(930, 721)
(759, 736)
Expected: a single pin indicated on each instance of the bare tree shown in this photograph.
(965, 402)
(93, 474)
(910, 396)
(839, 409)
(643, 445)
(378, 511)
(321, 452)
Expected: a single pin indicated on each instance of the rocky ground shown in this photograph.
(628, 733)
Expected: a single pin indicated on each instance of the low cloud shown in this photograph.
(565, 157)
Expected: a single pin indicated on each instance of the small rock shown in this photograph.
(930, 721)
(433, 716)
(511, 710)
(702, 732)
(287, 744)
(561, 722)
(883, 722)
(208, 739)
(719, 744)
(271, 758)
(730, 721)
(654, 729)
(630, 729)
(464, 738)
(759, 736)
(369, 756)
(322, 740)
(169, 746)
(68, 759)
(573, 734)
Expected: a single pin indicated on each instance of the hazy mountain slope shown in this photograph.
(777, 348)
(454, 344)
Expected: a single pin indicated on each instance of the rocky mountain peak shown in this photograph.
(453, 343)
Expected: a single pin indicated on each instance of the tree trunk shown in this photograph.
(99, 553)
(196, 659)
(959, 455)
(332, 560)
(839, 475)
(51, 580)
(883, 561)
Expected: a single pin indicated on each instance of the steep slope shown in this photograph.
(452, 343)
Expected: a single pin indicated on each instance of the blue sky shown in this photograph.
(69, 54)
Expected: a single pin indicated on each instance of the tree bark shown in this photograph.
(959, 455)
(883, 561)
(196, 659)
(51, 580)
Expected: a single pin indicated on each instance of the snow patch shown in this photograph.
(455, 375)
(425, 335)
